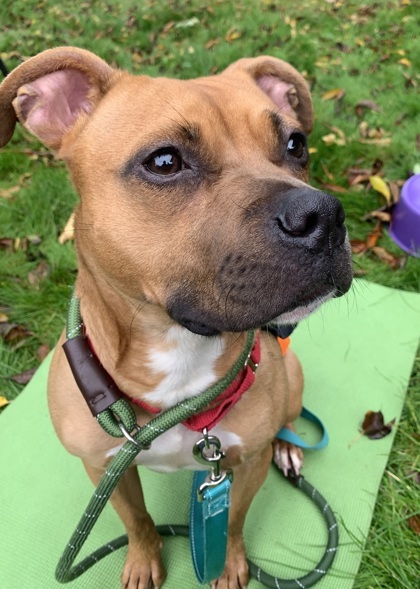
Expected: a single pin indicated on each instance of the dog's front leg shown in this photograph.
(248, 478)
(143, 567)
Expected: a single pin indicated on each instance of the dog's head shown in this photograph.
(194, 194)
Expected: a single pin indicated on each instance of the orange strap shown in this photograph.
(284, 344)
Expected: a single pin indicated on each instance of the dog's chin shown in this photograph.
(300, 313)
(291, 316)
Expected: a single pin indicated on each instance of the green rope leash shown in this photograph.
(65, 573)
(143, 437)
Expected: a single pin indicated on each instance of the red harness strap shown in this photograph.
(224, 402)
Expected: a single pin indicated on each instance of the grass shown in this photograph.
(368, 49)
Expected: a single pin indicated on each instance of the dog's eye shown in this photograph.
(164, 162)
(296, 145)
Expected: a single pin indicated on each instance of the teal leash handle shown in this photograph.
(208, 527)
(271, 581)
(289, 436)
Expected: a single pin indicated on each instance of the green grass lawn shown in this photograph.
(350, 52)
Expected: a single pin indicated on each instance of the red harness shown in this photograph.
(226, 400)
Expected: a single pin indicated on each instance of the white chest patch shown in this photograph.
(188, 366)
(173, 450)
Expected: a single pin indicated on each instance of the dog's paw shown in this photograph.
(236, 574)
(142, 571)
(287, 457)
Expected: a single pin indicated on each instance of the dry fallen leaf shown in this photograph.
(3, 401)
(360, 247)
(334, 94)
(211, 43)
(333, 139)
(11, 332)
(373, 425)
(23, 377)
(41, 272)
(366, 104)
(394, 262)
(405, 61)
(414, 523)
(9, 192)
(373, 236)
(334, 188)
(6, 243)
(382, 216)
(68, 232)
(381, 186)
(382, 141)
(42, 352)
(395, 191)
(232, 35)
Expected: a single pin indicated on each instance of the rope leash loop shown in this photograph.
(65, 573)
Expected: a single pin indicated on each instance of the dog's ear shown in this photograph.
(48, 92)
(281, 83)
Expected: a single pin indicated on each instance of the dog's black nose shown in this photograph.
(311, 218)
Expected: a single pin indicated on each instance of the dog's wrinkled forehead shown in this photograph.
(205, 115)
(58, 92)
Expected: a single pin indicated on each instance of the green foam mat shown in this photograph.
(357, 353)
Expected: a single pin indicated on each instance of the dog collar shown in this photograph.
(214, 412)
(101, 392)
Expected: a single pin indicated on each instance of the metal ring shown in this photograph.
(129, 436)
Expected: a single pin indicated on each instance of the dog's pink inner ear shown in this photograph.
(49, 106)
(282, 94)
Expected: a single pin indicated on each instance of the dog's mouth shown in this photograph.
(206, 325)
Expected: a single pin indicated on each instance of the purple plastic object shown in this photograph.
(405, 224)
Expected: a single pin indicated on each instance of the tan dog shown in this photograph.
(196, 223)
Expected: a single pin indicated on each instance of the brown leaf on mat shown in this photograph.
(414, 523)
(373, 425)
(23, 377)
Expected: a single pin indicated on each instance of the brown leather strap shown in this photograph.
(94, 382)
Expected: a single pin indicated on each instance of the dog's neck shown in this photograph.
(149, 356)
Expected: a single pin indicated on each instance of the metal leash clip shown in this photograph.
(208, 451)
